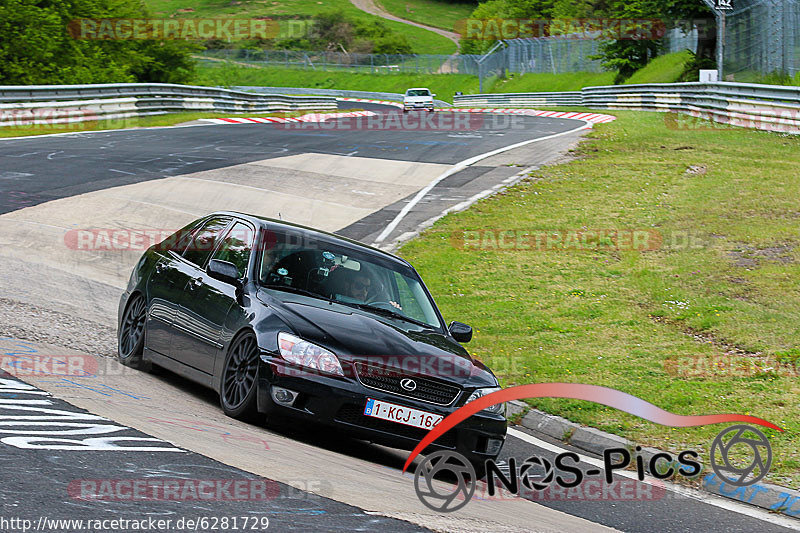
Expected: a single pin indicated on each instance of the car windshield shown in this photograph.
(418, 92)
(315, 266)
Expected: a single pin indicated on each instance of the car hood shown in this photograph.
(358, 336)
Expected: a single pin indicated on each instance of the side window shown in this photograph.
(203, 240)
(177, 241)
(407, 301)
(236, 247)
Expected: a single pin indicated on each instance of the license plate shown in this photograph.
(401, 414)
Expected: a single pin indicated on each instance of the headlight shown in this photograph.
(296, 350)
(495, 409)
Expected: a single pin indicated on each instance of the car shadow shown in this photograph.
(324, 437)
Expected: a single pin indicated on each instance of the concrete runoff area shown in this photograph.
(277, 188)
(364, 475)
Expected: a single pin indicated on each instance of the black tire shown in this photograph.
(130, 340)
(239, 384)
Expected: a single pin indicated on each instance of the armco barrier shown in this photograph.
(52, 104)
(340, 93)
(765, 107)
(519, 99)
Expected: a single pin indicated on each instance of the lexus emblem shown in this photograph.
(408, 384)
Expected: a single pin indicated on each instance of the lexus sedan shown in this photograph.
(286, 321)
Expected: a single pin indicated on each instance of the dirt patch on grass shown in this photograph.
(705, 337)
(747, 256)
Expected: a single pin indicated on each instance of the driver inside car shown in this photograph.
(360, 286)
(357, 286)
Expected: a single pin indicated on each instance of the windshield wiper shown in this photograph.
(297, 290)
(393, 314)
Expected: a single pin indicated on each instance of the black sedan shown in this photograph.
(281, 319)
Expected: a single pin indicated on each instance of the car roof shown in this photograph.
(273, 224)
(418, 89)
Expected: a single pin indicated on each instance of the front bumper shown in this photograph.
(340, 402)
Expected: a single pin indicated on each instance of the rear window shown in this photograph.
(418, 92)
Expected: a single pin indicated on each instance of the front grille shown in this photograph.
(354, 414)
(427, 390)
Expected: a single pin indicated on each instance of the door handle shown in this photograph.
(160, 268)
(196, 282)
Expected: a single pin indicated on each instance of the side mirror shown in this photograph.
(434, 94)
(224, 271)
(460, 331)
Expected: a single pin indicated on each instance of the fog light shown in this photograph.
(493, 446)
(283, 396)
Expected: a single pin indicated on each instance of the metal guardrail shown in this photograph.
(51, 104)
(519, 99)
(765, 107)
(339, 93)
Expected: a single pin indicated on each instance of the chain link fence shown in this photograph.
(553, 55)
(348, 62)
(516, 55)
(762, 37)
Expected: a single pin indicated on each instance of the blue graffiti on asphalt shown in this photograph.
(102, 389)
(57, 367)
(784, 503)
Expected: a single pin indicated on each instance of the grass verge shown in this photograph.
(444, 85)
(706, 322)
(170, 119)
(545, 82)
(662, 69)
(227, 74)
(436, 13)
(422, 41)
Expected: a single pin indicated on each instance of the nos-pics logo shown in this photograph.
(740, 455)
(446, 481)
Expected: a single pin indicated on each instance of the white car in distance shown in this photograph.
(418, 98)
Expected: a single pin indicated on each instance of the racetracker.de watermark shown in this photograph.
(152, 489)
(741, 119)
(617, 29)
(583, 239)
(415, 121)
(73, 365)
(392, 366)
(186, 29)
(588, 490)
(55, 118)
(164, 239)
(731, 365)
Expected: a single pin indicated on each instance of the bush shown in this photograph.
(37, 47)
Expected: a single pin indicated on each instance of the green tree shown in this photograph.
(628, 55)
(37, 48)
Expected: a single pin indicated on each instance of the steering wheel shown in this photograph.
(384, 304)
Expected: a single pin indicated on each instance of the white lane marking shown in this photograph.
(55, 424)
(458, 167)
(710, 499)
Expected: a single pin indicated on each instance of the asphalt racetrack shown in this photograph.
(59, 301)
